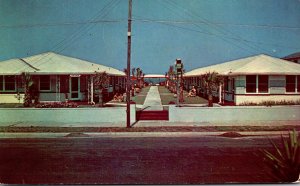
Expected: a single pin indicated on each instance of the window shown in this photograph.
(45, 82)
(10, 83)
(263, 83)
(1, 83)
(251, 83)
(7, 83)
(290, 83)
(226, 84)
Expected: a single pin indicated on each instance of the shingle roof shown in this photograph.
(52, 63)
(260, 64)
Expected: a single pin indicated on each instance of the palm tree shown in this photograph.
(138, 76)
(125, 71)
(211, 82)
(28, 83)
(133, 70)
(170, 78)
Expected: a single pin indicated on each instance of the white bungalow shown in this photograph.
(253, 80)
(56, 78)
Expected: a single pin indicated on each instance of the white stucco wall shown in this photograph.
(11, 98)
(231, 114)
(66, 115)
(276, 92)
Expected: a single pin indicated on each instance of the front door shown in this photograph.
(74, 88)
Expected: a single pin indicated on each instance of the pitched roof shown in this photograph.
(52, 63)
(260, 64)
(294, 55)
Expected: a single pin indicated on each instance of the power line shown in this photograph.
(216, 27)
(210, 33)
(68, 40)
(217, 23)
(61, 24)
(174, 24)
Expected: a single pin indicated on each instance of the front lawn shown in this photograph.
(166, 97)
(140, 97)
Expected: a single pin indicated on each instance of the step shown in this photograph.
(152, 118)
(152, 115)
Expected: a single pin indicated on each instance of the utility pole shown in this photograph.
(128, 86)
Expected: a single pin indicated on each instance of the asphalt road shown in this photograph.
(140, 160)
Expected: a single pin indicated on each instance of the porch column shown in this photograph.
(57, 88)
(92, 90)
(220, 93)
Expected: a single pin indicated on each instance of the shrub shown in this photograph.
(285, 162)
(270, 103)
(248, 104)
(56, 105)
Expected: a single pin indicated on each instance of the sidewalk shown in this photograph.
(156, 123)
(135, 134)
(153, 101)
(146, 129)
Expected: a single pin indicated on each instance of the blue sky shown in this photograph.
(200, 32)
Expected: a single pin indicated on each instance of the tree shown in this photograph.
(139, 73)
(133, 70)
(101, 81)
(27, 83)
(125, 70)
(170, 78)
(211, 82)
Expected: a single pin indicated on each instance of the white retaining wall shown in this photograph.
(236, 113)
(67, 115)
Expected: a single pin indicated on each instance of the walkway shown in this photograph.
(153, 101)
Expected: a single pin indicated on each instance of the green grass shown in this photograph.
(140, 97)
(166, 96)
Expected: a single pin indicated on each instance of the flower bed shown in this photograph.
(56, 105)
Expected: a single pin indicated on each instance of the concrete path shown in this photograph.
(153, 101)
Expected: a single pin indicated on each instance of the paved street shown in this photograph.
(130, 160)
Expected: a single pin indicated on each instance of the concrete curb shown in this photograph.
(135, 134)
